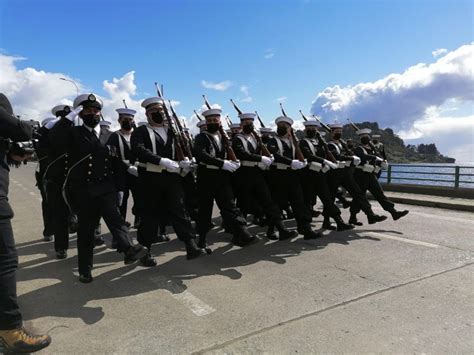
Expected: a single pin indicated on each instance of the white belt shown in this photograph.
(213, 167)
(347, 163)
(341, 164)
(281, 166)
(315, 166)
(366, 168)
(249, 163)
(377, 169)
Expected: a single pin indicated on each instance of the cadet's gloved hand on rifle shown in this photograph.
(330, 164)
(71, 116)
(185, 164)
(236, 163)
(325, 168)
(355, 160)
(169, 165)
(229, 166)
(296, 164)
(51, 123)
(120, 198)
(112, 151)
(132, 170)
(267, 161)
(384, 165)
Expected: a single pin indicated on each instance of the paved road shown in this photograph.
(400, 287)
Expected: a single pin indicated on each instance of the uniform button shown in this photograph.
(89, 172)
(105, 174)
(90, 157)
(65, 168)
(90, 164)
(105, 159)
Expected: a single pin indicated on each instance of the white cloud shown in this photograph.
(269, 54)
(220, 86)
(245, 90)
(439, 51)
(247, 99)
(281, 99)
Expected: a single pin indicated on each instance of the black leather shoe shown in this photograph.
(192, 250)
(148, 260)
(98, 241)
(354, 221)
(47, 238)
(136, 222)
(284, 234)
(310, 234)
(243, 237)
(202, 243)
(375, 218)
(61, 254)
(85, 278)
(98, 230)
(316, 214)
(329, 226)
(134, 253)
(344, 226)
(399, 214)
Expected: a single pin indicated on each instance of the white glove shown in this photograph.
(378, 159)
(71, 116)
(169, 164)
(51, 123)
(296, 164)
(185, 164)
(356, 160)
(326, 168)
(330, 164)
(267, 161)
(384, 165)
(229, 166)
(132, 170)
(236, 163)
(120, 198)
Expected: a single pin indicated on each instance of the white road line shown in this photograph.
(404, 240)
(194, 304)
(444, 218)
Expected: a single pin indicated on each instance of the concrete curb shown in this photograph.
(430, 203)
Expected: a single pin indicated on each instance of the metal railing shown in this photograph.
(438, 175)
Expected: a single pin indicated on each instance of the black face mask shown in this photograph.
(375, 141)
(365, 140)
(350, 146)
(282, 130)
(212, 127)
(248, 128)
(126, 125)
(157, 117)
(337, 136)
(265, 139)
(91, 120)
(311, 134)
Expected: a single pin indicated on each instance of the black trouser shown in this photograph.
(254, 194)
(216, 185)
(61, 214)
(369, 181)
(285, 187)
(163, 200)
(344, 177)
(46, 209)
(315, 184)
(190, 195)
(10, 316)
(90, 207)
(130, 186)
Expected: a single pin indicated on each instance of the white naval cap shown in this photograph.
(141, 123)
(212, 112)
(247, 116)
(235, 125)
(335, 125)
(126, 112)
(104, 123)
(266, 130)
(60, 108)
(284, 119)
(88, 100)
(363, 131)
(200, 124)
(375, 135)
(46, 120)
(311, 123)
(152, 101)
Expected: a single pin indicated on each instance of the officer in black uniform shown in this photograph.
(211, 150)
(95, 184)
(343, 176)
(285, 182)
(314, 175)
(159, 176)
(56, 172)
(365, 176)
(380, 150)
(249, 178)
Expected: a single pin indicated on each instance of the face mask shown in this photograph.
(337, 136)
(91, 120)
(365, 140)
(212, 127)
(375, 141)
(282, 130)
(126, 125)
(247, 128)
(350, 145)
(157, 117)
(311, 134)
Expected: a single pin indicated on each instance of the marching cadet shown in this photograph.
(213, 153)
(202, 126)
(380, 151)
(313, 176)
(159, 178)
(266, 134)
(284, 179)
(95, 184)
(234, 129)
(56, 171)
(251, 184)
(366, 178)
(342, 176)
(121, 141)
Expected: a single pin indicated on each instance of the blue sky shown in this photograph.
(293, 49)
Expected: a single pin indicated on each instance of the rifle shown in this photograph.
(197, 115)
(322, 142)
(260, 120)
(228, 121)
(225, 138)
(184, 140)
(124, 103)
(298, 152)
(178, 147)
